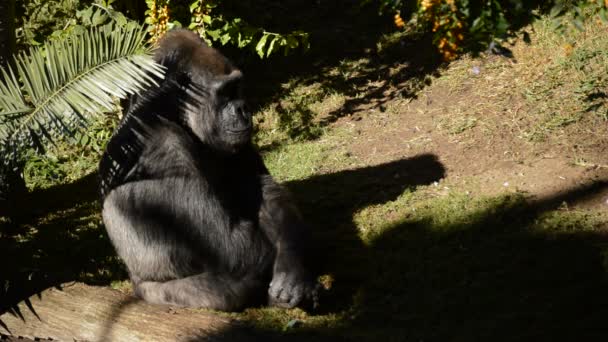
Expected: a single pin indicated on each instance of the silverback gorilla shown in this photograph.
(187, 201)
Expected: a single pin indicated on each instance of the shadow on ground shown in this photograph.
(350, 56)
(55, 236)
(489, 274)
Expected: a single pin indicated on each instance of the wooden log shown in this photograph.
(78, 312)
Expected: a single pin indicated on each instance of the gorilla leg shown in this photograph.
(166, 257)
(292, 281)
(203, 290)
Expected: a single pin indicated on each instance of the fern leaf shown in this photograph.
(53, 90)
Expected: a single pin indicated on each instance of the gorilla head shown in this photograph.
(211, 98)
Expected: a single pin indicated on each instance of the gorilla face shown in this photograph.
(209, 90)
(233, 120)
(215, 110)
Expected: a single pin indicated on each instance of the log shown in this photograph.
(79, 312)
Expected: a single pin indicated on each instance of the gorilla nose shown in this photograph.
(243, 114)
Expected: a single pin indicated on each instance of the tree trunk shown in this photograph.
(7, 30)
(79, 312)
(12, 187)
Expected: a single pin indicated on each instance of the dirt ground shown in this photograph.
(475, 162)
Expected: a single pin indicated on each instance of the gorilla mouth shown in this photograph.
(239, 130)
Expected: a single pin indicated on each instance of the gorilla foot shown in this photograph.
(200, 291)
(288, 291)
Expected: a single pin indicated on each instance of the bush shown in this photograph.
(207, 19)
(474, 25)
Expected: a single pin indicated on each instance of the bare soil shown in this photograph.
(476, 161)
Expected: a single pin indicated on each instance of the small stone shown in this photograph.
(294, 323)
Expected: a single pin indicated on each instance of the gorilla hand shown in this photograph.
(291, 288)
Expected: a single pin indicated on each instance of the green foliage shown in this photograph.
(57, 19)
(566, 12)
(465, 25)
(242, 35)
(54, 89)
(205, 18)
(41, 18)
(235, 31)
(71, 158)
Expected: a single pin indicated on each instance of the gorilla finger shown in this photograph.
(285, 296)
(276, 286)
(275, 292)
(313, 294)
(315, 299)
(283, 305)
(295, 300)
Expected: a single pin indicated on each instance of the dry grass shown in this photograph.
(552, 92)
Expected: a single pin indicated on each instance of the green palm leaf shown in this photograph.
(53, 90)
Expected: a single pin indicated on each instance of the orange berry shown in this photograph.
(398, 21)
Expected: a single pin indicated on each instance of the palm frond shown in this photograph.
(53, 90)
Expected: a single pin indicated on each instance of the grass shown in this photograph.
(405, 257)
(553, 91)
(457, 268)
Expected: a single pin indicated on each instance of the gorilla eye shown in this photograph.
(230, 90)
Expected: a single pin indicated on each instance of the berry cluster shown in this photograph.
(157, 18)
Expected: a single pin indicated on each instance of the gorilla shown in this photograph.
(186, 199)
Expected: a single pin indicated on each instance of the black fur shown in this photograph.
(187, 201)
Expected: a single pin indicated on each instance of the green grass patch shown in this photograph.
(459, 268)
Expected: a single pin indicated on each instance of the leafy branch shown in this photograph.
(214, 27)
(52, 90)
(265, 43)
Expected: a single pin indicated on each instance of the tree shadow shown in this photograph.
(350, 55)
(69, 244)
(597, 104)
(55, 236)
(65, 241)
(355, 53)
(329, 202)
(493, 276)
(505, 272)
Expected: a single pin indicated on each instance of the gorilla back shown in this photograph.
(187, 201)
